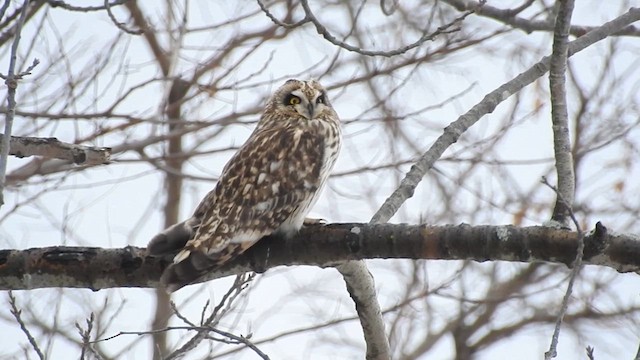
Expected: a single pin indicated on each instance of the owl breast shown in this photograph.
(331, 135)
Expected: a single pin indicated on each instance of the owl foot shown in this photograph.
(312, 221)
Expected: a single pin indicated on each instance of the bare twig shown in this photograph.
(11, 81)
(242, 340)
(184, 319)
(447, 28)
(207, 326)
(577, 265)
(278, 22)
(85, 334)
(120, 25)
(235, 339)
(590, 353)
(63, 5)
(17, 314)
(241, 282)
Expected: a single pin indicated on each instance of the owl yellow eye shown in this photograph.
(291, 100)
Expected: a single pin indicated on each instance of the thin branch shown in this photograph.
(12, 83)
(453, 132)
(17, 314)
(214, 318)
(63, 5)
(85, 334)
(204, 329)
(242, 340)
(322, 30)
(559, 115)
(577, 266)
(278, 22)
(120, 25)
(206, 326)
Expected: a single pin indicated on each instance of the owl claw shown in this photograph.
(312, 221)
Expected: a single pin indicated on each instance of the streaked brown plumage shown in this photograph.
(267, 187)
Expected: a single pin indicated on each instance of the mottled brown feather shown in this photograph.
(268, 186)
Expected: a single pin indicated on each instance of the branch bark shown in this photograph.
(563, 210)
(560, 117)
(24, 146)
(97, 268)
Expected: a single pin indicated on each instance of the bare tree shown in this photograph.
(134, 107)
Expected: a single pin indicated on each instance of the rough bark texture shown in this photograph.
(362, 290)
(97, 268)
(24, 146)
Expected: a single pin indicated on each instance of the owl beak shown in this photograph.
(311, 110)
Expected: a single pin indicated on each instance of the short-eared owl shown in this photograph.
(267, 187)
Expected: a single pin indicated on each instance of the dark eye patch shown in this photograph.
(322, 99)
(291, 100)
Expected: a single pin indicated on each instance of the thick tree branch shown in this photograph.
(24, 146)
(97, 268)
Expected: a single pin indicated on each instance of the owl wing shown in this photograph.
(269, 183)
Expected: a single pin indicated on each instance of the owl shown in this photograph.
(267, 187)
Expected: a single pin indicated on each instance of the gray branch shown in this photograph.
(324, 246)
(563, 210)
(560, 117)
(453, 132)
(24, 146)
(362, 289)
(11, 80)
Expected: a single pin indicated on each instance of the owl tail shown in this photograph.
(191, 264)
(172, 239)
(187, 271)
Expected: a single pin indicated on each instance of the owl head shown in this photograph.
(298, 100)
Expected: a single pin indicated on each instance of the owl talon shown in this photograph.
(313, 221)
